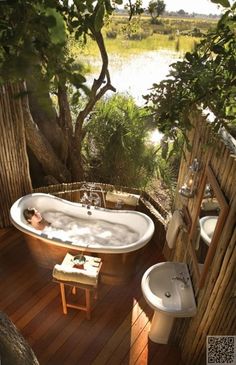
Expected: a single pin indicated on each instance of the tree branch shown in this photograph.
(96, 91)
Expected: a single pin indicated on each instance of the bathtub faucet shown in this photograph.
(91, 198)
(92, 194)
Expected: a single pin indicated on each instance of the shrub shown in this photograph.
(171, 37)
(138, 36)
(156, 21)
(196, 32)
(111, 34)
(169, 157)
(167, 31)
(115, 144)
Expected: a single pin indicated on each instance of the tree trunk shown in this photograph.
(65, 121)
(45, 116)
(14, 350)
(43, 151)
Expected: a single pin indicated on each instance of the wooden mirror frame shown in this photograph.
(224, 208)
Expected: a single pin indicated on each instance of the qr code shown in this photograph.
(221, 350)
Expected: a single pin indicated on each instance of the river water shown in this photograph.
(135, 75)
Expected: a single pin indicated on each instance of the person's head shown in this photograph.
(32, 216)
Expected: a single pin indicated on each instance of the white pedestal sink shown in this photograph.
(167, 288)
(207, 227)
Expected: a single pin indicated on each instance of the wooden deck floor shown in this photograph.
(116, 334)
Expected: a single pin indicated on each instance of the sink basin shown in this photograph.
(207, 227)
(167, 288)
(164, 290)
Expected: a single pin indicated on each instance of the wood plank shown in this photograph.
(117, 332)
(107, 322)
(133, 343)
(118, 335)
(102, 323)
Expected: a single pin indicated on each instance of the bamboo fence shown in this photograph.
(216, 300)
(14, 170)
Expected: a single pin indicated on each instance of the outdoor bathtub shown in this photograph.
(48, 247)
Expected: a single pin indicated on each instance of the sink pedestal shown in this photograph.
(168, 290)
(160, 327)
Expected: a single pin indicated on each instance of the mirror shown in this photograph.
(208, 218)
(211, 212)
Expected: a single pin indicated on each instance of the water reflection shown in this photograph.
(135, 75)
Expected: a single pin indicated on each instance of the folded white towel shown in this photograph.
(129, 199)
(67, 273)
(175, 223)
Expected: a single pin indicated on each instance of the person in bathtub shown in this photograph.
(52, 220)
(34, 217)
(79, 231)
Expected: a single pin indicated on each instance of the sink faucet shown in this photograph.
(181, 278)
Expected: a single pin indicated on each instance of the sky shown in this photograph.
(190, 6)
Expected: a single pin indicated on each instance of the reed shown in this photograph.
(126, 48)
(170, 34)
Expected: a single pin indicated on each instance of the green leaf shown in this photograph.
(189, 57)
(75, 23)
(50, 21)
(217, 49)
(50, 3)
(77, 79)
(224, 3)
(98, 22)
(57, 31)
(109, 8)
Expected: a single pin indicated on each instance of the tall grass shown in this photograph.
(126, 48)
(169, 34)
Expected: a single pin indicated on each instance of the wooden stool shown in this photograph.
(85, 278)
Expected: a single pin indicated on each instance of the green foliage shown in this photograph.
(30, 34)
(168, 161)
(115, 144)
(155, 21)
(224, 3)
(156, 8)
(134, 8)
(33, 37)
(58, 30)
(165, 174)
(111, 34)
(205, 77)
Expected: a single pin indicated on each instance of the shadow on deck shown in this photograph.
(116, 334)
